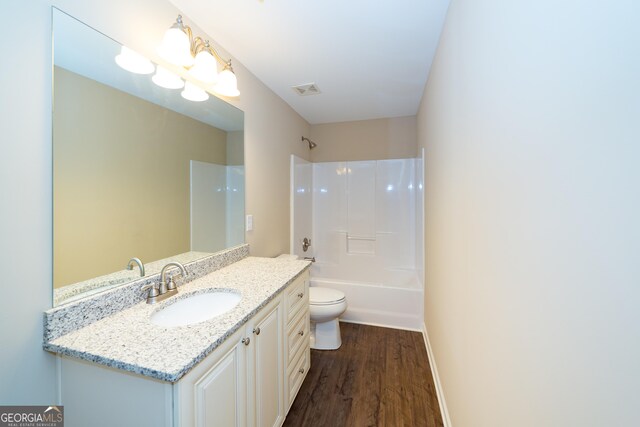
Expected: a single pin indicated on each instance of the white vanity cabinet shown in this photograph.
(265, 369)
(250, 379)
(241, 382)
(214, 392)
(296, 333)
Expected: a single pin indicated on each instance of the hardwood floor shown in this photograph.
(379, 377)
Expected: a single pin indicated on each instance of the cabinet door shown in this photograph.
(266, 374)
(219, 396)
(213, 394)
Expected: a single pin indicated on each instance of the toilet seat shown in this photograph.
(325, 296)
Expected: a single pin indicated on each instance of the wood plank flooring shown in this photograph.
(379, 377)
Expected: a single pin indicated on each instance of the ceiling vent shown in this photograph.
(306, 89)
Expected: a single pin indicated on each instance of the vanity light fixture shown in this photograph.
(132, 61)
(181, 48)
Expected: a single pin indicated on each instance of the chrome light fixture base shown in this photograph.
(181, 48)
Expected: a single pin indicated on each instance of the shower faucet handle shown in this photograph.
(306, 242)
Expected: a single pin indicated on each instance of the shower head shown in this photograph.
(312, 144)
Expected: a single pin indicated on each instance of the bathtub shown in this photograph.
(394, 300)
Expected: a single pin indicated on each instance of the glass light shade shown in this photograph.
(167, 79)
(134, 62)
(176, 48)
(205, 68)
(194, 93)
(227, 84)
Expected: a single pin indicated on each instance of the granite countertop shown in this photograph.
(74, 291)
(128, 340)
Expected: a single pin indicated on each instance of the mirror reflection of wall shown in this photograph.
(123, 176)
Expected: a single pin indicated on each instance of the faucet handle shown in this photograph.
(171, 285)
(306, 242)
(153, 290)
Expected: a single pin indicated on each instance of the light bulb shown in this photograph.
(167, 79)
(194, 93)
(134, 62)
(176, 47)
(227, 84)
(205, 68)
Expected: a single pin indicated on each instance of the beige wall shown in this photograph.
(530, 124)
(272, 134)
(393, 138)
(121, 178)
(235, 147)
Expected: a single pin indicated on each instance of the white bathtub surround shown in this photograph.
(365, 236)
(128, 340)
(301, 206)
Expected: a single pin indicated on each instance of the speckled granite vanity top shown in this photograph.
(128, 340)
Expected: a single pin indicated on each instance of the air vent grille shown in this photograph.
(306, 89)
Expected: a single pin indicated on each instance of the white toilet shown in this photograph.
(325, 306)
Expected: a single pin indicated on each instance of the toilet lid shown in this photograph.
(321, 296)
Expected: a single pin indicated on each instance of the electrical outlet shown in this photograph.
(249, 223)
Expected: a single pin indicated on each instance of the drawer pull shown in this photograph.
(256, 331)
(246, 341)
(301, 333)
(301, 294)
(301, 370)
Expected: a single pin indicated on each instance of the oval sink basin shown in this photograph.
(195, 309)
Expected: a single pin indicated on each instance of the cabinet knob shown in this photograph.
(256, 331)
(301, 370)
(246, 341)
(301, 294)
(301, 333)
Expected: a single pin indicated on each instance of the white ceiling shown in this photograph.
(370, 59)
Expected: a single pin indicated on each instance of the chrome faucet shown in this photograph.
(165, 288)
(170, 286)
(140, 265)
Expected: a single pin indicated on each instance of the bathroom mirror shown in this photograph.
(138, 170)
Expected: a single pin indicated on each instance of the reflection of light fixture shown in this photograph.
(165, 78)
(134, 62)
(194, 93)
(180, 48)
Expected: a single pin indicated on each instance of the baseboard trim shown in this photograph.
(436, 379)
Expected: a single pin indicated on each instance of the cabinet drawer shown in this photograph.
(297, 296)
(298, 334)
(297, 374)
